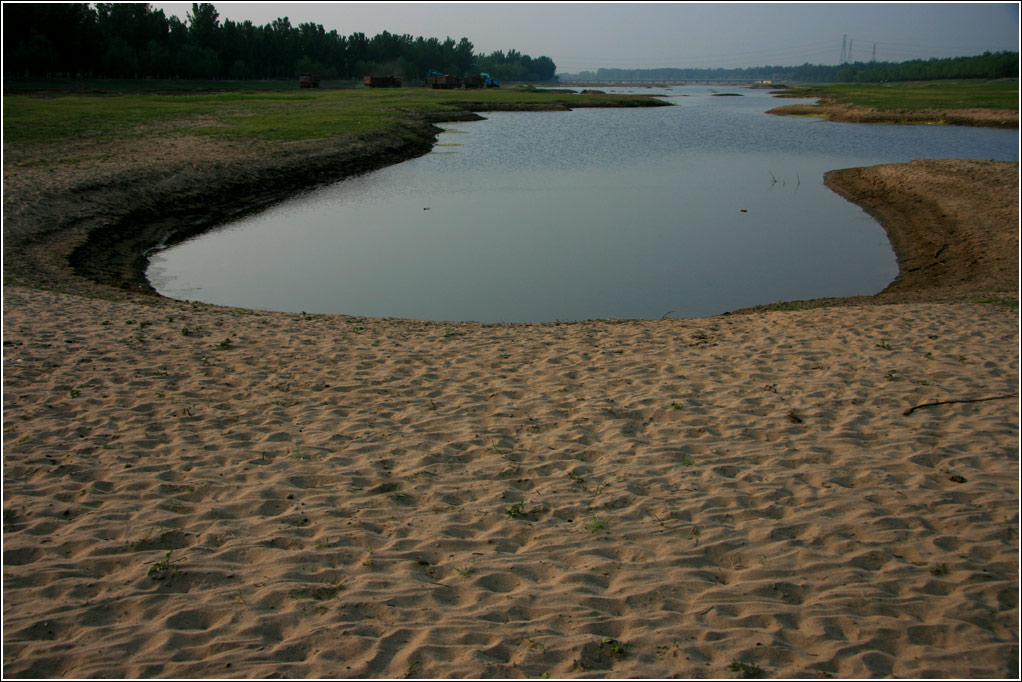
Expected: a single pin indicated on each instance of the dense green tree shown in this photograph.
(204, 25)
(49, 39)
(126, 40)
(35, 55)
(156, 60)
(132, 40)
(463, 56)
(514, 66)
(987, 65)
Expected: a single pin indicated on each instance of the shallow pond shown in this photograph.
(683, 211)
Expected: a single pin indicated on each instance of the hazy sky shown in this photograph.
(589, 35)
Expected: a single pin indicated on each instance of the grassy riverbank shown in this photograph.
(954, 94)
(159, 164)
(991, 103)
(269, 115)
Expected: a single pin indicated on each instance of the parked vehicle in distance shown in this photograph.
(442, 81)
(381, 82)
(483, 80)
(308, 80)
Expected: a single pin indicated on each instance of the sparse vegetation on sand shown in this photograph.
(952, 94)
(991, 103)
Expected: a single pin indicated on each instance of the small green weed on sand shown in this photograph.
(1006, 302)
(597, 525)
(615, 648)
(162, 569)
(746, 670)
(326, 592)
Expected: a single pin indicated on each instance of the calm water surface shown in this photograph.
(690, 210)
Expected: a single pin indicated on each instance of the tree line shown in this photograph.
(987, 65)
(133, 40)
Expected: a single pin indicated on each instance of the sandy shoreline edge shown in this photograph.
(200, 491)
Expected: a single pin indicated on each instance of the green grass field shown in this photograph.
(279, 111)
(956, 94)
(264, 114)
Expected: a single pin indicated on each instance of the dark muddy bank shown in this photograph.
(92, 236)
(88, 229)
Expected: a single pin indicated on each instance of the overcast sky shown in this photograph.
(589, 35)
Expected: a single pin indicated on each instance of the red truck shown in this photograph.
(308, 80)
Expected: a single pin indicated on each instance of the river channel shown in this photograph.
(684, 211)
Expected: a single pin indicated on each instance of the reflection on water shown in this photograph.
(685, 211)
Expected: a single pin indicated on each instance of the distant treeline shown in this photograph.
(132, 40)
(987, 65)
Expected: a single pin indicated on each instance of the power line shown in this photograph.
(811, 52)
(916, 50)
(719, 55)
(941, 47)
(666, 61)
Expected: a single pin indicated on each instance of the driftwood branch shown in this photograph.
(964, 400)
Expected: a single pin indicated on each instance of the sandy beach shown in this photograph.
(825, 491)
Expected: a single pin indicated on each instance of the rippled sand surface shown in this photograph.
(194, 491)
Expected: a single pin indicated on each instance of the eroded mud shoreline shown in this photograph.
(86, 230)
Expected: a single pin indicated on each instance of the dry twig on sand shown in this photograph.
(964, 400)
